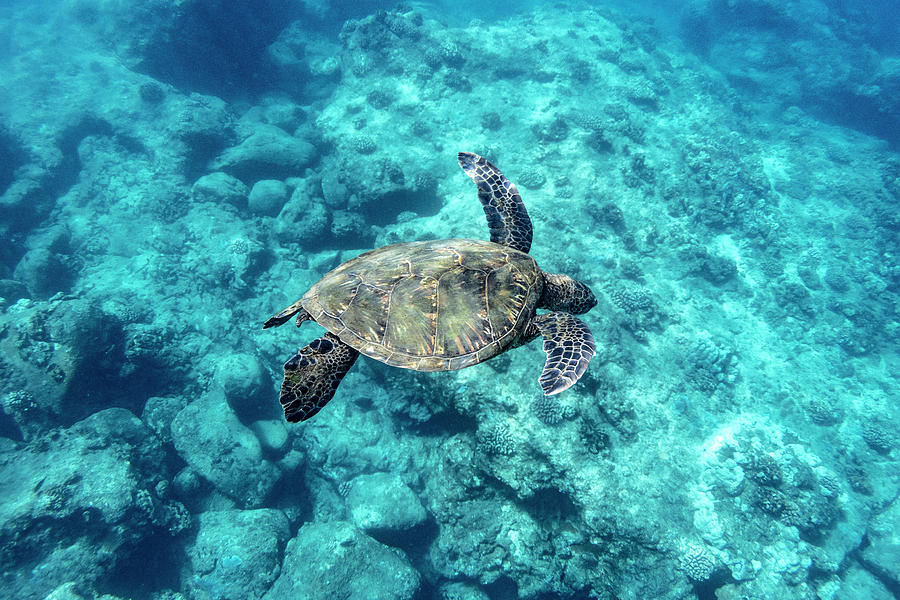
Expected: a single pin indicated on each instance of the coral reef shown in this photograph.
(171, 174)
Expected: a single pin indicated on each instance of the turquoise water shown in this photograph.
(724, 175)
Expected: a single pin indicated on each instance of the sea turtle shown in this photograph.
(440, 305)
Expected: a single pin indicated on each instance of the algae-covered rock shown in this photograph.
(286, 57)
(458, 590)
(237, 553)
(72, 505)
(272, 435)
(381, 504)
(159, 412)
(71, 591)
(43, 272)
(66, 591)
(247, 387)
(883, 551)
(211, 439)
(60, 357)
(857, 582)
(303, 220)
(220, 187)
(268, 152)
(267, 197)
(337, 560)
(11, 290)
(334, 189)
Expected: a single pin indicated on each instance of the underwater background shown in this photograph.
(723, 173)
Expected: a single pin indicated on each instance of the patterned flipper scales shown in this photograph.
(569, 346)
(312, 376)
(506, 215)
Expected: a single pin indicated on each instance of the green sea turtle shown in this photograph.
(440, 305)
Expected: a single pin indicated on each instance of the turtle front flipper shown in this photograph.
(294, 309)
(312, 376)
(503, 207)
(569, 346)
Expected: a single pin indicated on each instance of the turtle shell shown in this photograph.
(436, 305)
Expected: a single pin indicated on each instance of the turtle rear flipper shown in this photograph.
(294, 309)
(503, 207)
(311, 376)
(569, 346)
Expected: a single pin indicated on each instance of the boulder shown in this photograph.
(273, 435)
(12, 290)
(237, 553)
(43, 273)
(220, 187)
(159, 412)
(66, 355)
(337, 560)
(247, 387)
(383, 506)
(267, 197)
(74, 503)
(211, 439)
(882, 555)
(267, 153)
(303, 220)
(458, 590)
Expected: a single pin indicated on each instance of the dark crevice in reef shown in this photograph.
(39, 189)
(200, 149)
(706, 590)
(504, 588)
(12, 156)
(414, 542)
(868, 115)
(153, 565)
(9, 429)
(445, 424)
(218, 47)
(878, 573)
(388, 206)
(579, 595)
(550, 507)
(14, 213)
(66, 172)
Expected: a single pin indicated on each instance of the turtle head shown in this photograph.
(561, 292)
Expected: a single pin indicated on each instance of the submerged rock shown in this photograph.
(268, 152)
(267, 197)
(237, 553)
(211, 439)
(247, 387)
(59, 360)
(337, 560)
(73, 505)
(43, 273)
(382, 505)
(12, 290)
(303, 220)
(882, 555)
(159, 412)
(462, 591)
(220, 187)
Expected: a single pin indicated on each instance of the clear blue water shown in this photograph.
(723, 175)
